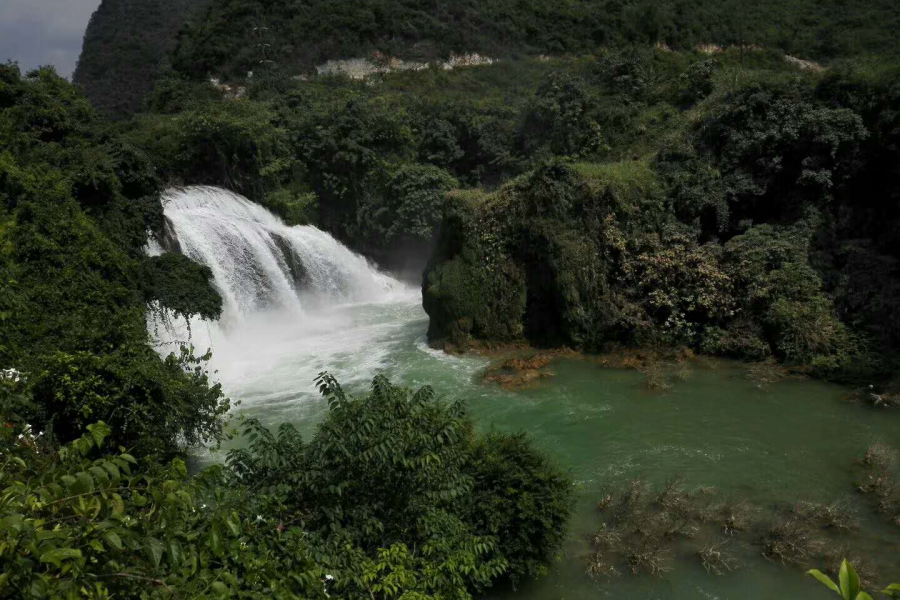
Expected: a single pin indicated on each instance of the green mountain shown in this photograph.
(126, 43)
(128, 40)
(300, 33)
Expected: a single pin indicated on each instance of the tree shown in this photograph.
(77, 203)
(559, 119)
(409, 213)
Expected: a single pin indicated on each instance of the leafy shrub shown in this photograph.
(78, 201)
(181, 285)
(696, 83)
(156, 406)
(743, 339)
(681, 286)
(630, 73)
(410, 211)
(559, 119)
(778, 148)
(439, 145)
(695, 188)
(520, 498)
(459, 279)
(74, 525)
(347, 146)
(393, 497)
(379, 484)
(416, 477)
(237, 145)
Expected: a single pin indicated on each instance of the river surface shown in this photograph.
(783, 442)
(298, 303)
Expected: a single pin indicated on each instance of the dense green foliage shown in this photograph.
(736, 204)
(393, 498)
(733, 202)
(302, 33)
(368, 164)
(520, 499)
(731, 228)
(126, 45)
(77, 202)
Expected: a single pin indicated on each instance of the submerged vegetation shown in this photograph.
(645, 530)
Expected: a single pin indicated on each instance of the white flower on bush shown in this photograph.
(12, 374)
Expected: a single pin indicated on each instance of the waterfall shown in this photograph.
(258, 262)
(296, 302)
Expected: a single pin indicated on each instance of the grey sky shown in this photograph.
(40, 32)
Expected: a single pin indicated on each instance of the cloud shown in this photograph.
(41, 32)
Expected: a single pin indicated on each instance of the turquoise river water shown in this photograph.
(788, 441)
(297, 303)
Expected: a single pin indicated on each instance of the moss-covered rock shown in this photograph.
(473, 289)
(585, 255)
(532, 261)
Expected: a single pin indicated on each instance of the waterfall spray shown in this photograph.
(296, 301)
(260, 263)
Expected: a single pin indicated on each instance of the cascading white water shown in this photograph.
(296, 302)
(260, 263)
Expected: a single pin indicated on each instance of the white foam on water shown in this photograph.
(296, 301)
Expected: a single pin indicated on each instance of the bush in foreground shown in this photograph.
(394, 497)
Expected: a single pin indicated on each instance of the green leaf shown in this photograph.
(220, 588)
(215, 540)
(863, 596)
(825, 580)
(99, 431)
(233, 527)
(892, 591)
(57, 555)
(118, 505)
(113, 539)
(113, 470)
(175, 556)
(849, 581)
(155, 549)
(84, 483)
(99, 474)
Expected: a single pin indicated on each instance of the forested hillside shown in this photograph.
(76, 203)
(301, 33)
(125, 46)
(735, 203)
(749, 214)
(128, 40)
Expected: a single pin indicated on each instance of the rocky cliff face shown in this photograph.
(125, 46)
(533, 261)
